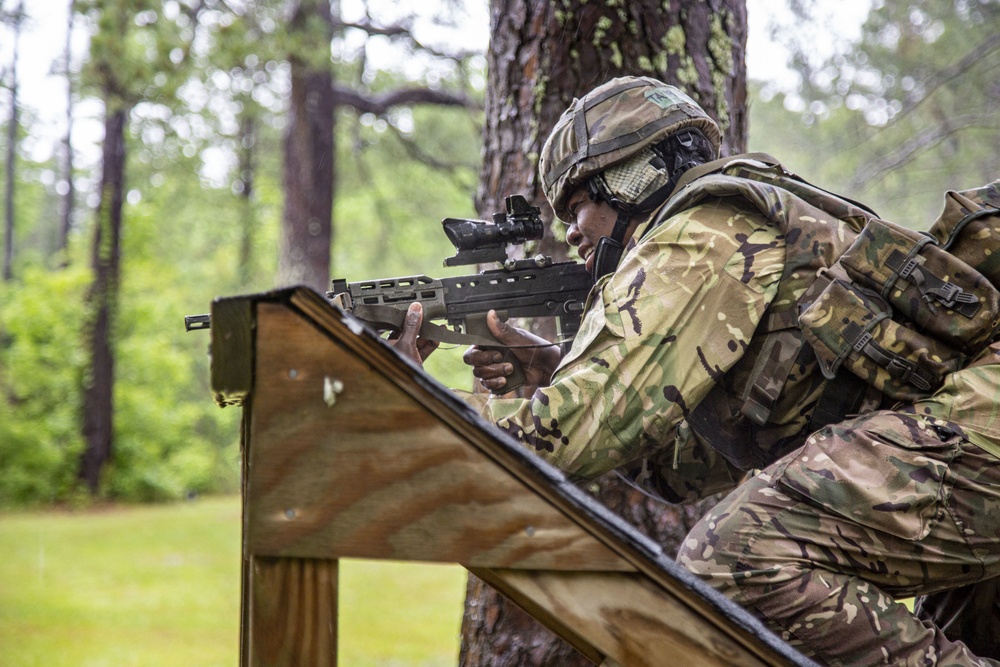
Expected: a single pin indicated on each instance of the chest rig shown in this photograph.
(867, 312)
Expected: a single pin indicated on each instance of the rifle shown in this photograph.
(535, 287)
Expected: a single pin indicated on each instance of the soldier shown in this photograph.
(690, 372)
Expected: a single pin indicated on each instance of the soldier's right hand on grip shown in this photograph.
(525, 360)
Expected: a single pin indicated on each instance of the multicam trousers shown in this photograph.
(823, 543)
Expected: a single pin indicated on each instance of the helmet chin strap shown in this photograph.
(610, 248)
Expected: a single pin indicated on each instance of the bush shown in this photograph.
(41, 366)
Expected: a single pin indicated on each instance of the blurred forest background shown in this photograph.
(170, 182)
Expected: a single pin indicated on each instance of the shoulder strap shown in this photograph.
(720, 165)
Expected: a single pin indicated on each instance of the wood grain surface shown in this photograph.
(619, 616)
(293, 613)
(375, 475)
(349, 452)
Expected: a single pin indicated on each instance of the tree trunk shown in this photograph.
(69, 197)
(307, 223)
(541, 56)
(7, 271)
(102, 302)
(247, 153)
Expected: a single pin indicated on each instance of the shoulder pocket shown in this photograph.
(599, 317)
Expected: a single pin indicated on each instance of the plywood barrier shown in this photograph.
(350, 451)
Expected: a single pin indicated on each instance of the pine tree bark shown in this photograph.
(307, 221)
(13, 126)
(69, 197)
(541, 56)
(102, 301)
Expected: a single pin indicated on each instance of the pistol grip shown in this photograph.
(476, 324)
(516, 379)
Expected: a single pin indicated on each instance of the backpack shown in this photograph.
(895, 308)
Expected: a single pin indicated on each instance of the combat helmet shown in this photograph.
(613, 142)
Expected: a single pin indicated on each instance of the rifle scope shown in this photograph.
(519, 224)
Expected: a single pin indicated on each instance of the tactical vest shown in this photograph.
(867, 312)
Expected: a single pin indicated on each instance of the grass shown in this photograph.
(159, 585)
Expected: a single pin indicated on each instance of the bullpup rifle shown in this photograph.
(528, 288)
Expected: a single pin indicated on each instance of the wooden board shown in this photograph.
(368, 472)
(621, 616)
(351, 451)
(293, 613)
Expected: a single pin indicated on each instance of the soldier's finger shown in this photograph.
(411, 327)
(475, 356)
(492, 371)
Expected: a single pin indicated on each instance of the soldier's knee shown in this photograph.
(711, 549)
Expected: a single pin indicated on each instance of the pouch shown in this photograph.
(969, 228)
(925, 285)
(852, 327)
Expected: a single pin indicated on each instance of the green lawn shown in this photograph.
(159, 585)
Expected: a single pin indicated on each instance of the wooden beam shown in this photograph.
(232, 350)
(352, 451)
(293, 613)
(619, 617)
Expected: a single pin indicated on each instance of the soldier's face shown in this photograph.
(589, 221)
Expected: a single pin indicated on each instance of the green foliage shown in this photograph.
(389, 206)
(205, 85)
(41, 368)
(903, 115)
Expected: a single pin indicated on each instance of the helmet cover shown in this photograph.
(613, 124)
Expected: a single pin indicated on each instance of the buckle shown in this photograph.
(950, 294)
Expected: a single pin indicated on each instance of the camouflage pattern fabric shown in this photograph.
(969, 228)
(642, 359)
(584, 142)
(887, 506)
(937, 291)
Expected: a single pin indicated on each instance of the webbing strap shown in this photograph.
(975, 215)
(899, 368)
(721, 164)
(931, 286)
(770, 374)
(586, 149)
(581, 132)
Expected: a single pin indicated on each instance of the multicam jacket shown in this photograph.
(689, 367)
(658, 336)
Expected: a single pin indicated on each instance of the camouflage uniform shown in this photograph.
(664, 383)
(666, 333)
(642, 357)
(885, 506)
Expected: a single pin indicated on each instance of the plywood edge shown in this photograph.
(232, 350)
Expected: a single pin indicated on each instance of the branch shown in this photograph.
(381, 103)
(403, 32)
(453, 169)
(947, 75)
(872, 172)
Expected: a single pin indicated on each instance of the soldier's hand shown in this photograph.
(538, 357)
(408, 342)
